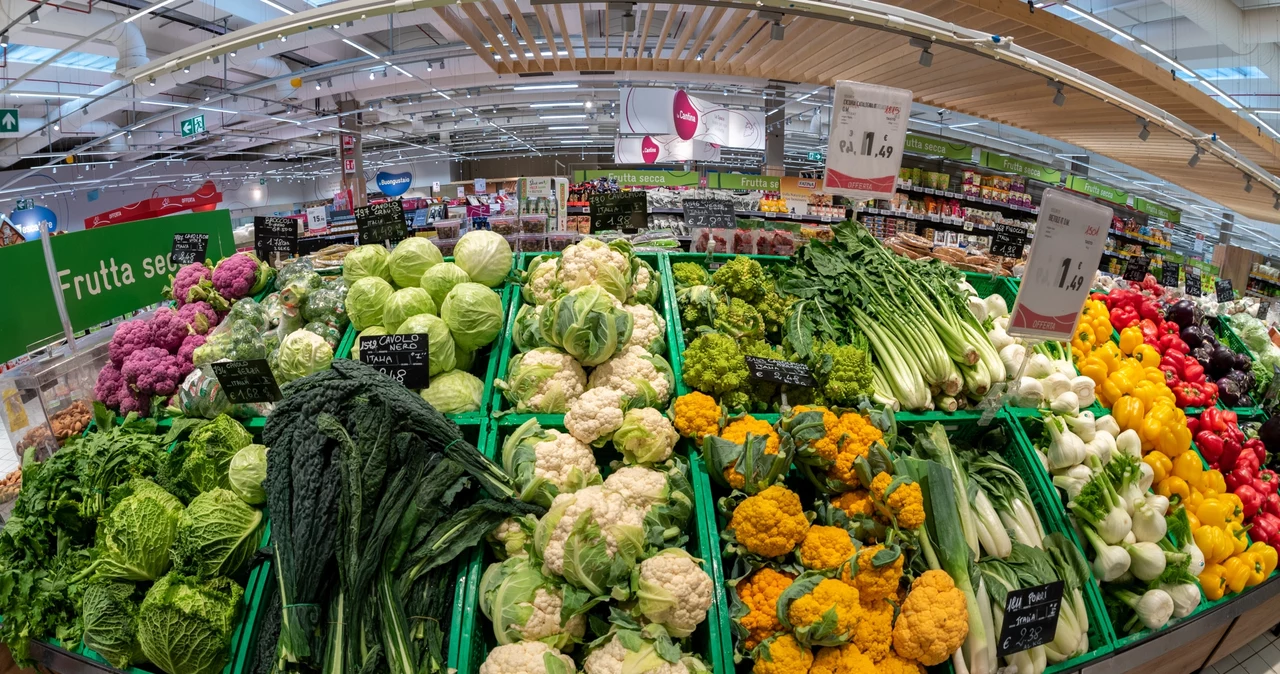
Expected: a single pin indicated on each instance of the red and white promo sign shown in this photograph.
(868, 130)
(662, 149)
(205, 198)
(672, 112)
(1071, 233)
(348, 166)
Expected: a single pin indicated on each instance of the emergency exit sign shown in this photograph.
(8, 120)
(190, 127)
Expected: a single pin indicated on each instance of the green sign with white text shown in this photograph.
(641, 177)
(1000, 162)
(1104, 192)
(743, 181)
(941, 148)
(1159, 210)
(104, 273)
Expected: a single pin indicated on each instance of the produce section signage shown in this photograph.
(1030, 618)
(780, 371)
(1070, 233)
(868, 132)
(641, 177)
(672, 112)
(1000, 162)
(1008, 240)
(746, 182)
(1192, 285)
(625, 211)
(404, 358)
(1169, 274)
(1222, 288)
(1104, 192)
(1136, 268)
(709, 214)
(274, 235)
(247, 381)
(381, 222)
(940, 148)
(1159, 210)
(189, 247)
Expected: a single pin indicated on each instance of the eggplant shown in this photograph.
(1202, 354)
(1269, 432)
(1192, 336)
(1222, 361)
(1182, 312)
(1245, 401)
(1243, 362)
(1229, 391)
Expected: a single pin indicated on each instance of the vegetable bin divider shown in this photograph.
(476, 630)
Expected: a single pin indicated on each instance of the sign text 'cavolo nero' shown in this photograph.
(404, 358)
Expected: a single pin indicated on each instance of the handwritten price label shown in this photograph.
(1030, 618)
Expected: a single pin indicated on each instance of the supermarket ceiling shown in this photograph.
(112, 80)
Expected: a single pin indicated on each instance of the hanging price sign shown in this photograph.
(1222, 288)
(1008, 241)
(1070, 234)
(709, 214)
(1030, 618)
(1169, 274)
(868, 131)
(1193, 287)
(1136, 269)
(189, 247)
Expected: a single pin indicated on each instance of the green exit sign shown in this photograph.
(193, 126)
(8, 120)
(815, 156)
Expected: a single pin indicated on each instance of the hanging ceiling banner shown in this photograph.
(868, 133)
(664, 112)
(662, 149)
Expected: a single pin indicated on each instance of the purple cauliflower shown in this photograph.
(200, 316)
(134, 401)
(235, 277)
(168, 329)
(109, 386)
(152, 371)
(187, 280)
(130, 336)
(189, 346)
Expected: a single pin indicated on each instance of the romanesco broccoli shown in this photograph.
(848, 381)
(742, 277)
(690, 274)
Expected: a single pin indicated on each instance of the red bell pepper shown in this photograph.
(1123, 317)
(1187, 394)
(1211, 420)
(1150, 310)
(1171, 328)
(1210, 445)
(1150, 333)
(1193, 424)
(1246, 462)
(1265, 527)
(1192, 370)
(1250, 498)
(1230, 456)
(1271, 504)
(1176, 360)
(1170, 376)
(1255, 445)
(1172, 342)
(1267, 482)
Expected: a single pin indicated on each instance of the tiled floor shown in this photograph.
(1260, 656)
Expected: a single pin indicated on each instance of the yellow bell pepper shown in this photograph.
(1175, 440)
(1195, 499)
(1239, 537)
(1236, 573)
(1257, 571)
(1084, 339)
(1094, 368)
(1213, 479)
(1148, 392)
(1173, 486)
(1215, 512)
(1213, 581)
(1102, 325)
(1110, 354)
(1267, 555)
(1214, 542)
(1147, 355)
(1237, 513)
(1130, 339)
(1118, 384)
(1157, 419)
(1127, 410)
(1076, 356)
(1160, 464)
(1193, 520)
(1188, 467)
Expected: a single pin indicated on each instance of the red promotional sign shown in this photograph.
(205, 198)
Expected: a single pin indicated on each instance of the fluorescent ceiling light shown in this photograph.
(68, 97)
(537, 87)
(1096, 20)
(273, 5)
(556, 105)
(575, 142)
(139, 15)
(1225, 98)
(1168, 60)
(568, 128)
(353, 44)
(1264, 124)
(563, 117)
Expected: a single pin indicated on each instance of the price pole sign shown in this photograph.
(1193, 287)
(868, 131)
(1136, 269)
(1222, 288)
(1169, 274)
(381, 222)
(247, 381)
(780, 371)
(404, 358)
(709, 214)
(189, 247)
(1008, 240)
(275, 235)
(1070, 234)
(1030, 618)
(625, 211)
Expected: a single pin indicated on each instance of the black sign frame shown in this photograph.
(377, 223)
(189, 247)
(709, 214)
(624, 211)
(780, 371)
(247, 381)
(274, 235)
(1222, 290)
(1191, 286)
(1169, 274)
(1030, 618)
(405, 358)
(1136, 268)
(1008, 240)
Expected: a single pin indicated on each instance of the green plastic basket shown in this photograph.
(986, 284)
(475, 631)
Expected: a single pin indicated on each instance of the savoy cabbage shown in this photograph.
(185, 624)
(217, 535)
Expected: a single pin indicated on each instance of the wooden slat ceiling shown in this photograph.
(817, 51)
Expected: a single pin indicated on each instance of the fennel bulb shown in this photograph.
(1153, 608)
(1148, 523)
(978, 308)
(1196, 566)
(1110, 562)
(1065, 403)
(1028, 392)
(1055, 384)
(1108, 423)
(1038, 366)
(1186, 597)
(1130, 444)
(1000, 339)
(1158, 503)
(1146, 560)
(1065, 448)
(1012, 355)
(1105, 445)
(996, 306)
(1147, 477)
(1083, 425)
(1082, 386)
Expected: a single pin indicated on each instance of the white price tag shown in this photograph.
(968, 226)
(864, 150)
(930, 190)
(1070, 235)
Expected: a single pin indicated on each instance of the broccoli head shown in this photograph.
(739, 320)
(743, 278)
(690, 274)
(848, 379)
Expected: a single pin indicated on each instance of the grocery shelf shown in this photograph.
(1146, 241)
(766, 215)
(1264, 279)
(959, 196)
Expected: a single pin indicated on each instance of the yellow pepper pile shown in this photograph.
(1231, 564)
(1094, 329)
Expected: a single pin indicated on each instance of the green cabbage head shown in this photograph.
(454, 392)
(136, 534)
(185, 624)
(410, 259)
(110, 614)
(205, 457)
(586, 324)
(217, 534)
(248, 470)
(404, 303)
(473, 313)
(441, 278)
(440, 346)
(371, 331)
(366, 261)
(367, 300)
(484, 255)
(302, 353)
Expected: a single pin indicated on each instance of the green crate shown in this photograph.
(987, 284)
(476, 630)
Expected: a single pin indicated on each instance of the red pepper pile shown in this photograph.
(1127, 307)
(1185, 375)
(1223, 445)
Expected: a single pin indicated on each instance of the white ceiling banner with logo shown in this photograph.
(664, 112)
(662, 149)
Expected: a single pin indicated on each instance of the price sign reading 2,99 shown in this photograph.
(1070, 234)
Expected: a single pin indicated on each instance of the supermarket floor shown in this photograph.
(1260, 656)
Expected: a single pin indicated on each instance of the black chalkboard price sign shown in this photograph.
(1030, 618)
(1192, 284)
(1136, 269)
(381, 222)
(780, 371)
(1008, 240)
(247, 381)
(1222, 288)
(275, 235)
(404, 358)
(1169, 274)
(709, 214)
(189, 247)
(1264, 307)
(625, 211)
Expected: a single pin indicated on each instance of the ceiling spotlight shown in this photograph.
(777, 31)
(35, 17)
(371, 75)
(216, 59)
(317, 85)
(56, 126)
(1145, 133)
(232, 54)
(1276, 205)
(428, 66)
(384, 72)
(1195, 158)
(350, 24)
(335, 26)
(208, 94)
(282, 37)
(1248, 184)
(151, 81)
(4, 41)
(699, 56)
(329, 83)
(926, 56)
(186, 69)
(1058, 97)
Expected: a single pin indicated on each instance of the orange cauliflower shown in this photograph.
(826, 447)
(875, 629)
(878, 581)
(854, 436)
(697, 415)
(736, 432)
(821, 611)
(846, 659)
(771, 523)
(895, 664)
(854, 503)
(760, 592)
(825, 548)
(934, 620)
(782, 655)
(905, 502)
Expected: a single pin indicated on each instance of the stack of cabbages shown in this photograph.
(412, 290)
(591, 307)
(168, 582)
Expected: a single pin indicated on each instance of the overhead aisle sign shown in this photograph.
(868, 133)
(193, 126)
(9, 120)
(940, 148)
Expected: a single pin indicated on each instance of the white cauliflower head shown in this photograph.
(544, 462)
(645, 436)
(509, 537)
(525, 605)
(544, 622)
(527, 657)
(544, 380)
(645, 287)
(643, 378)
(540, 282)
(594, 261)
(639, 486)
(650, 329)
(581, 534)
(614, 658)
(663, 493)
(593, 416)
(674, 591)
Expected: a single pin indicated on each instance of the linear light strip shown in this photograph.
(1100, 22)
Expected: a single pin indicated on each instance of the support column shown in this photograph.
(1224, 229)
(775, 130)
(350, 152)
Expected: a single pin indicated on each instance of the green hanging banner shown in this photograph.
(940, 148)
(744, 181)
(641, 177)
(1000, 162)
(1104, 192)
(1158, 210)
